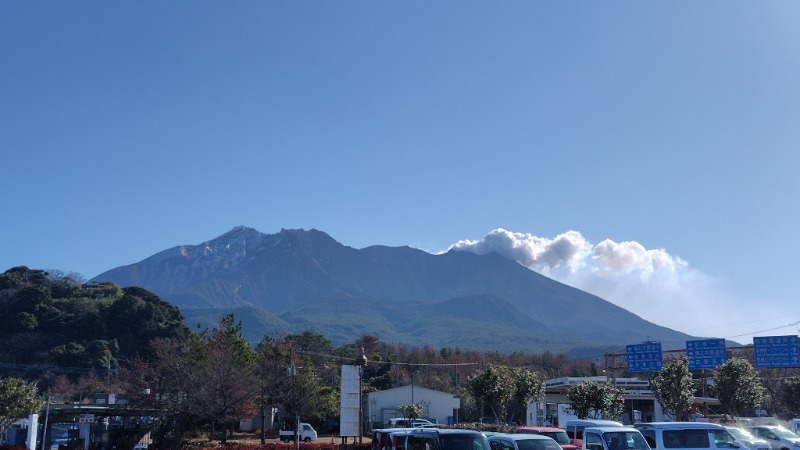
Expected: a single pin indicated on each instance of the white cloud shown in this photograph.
(651, 283)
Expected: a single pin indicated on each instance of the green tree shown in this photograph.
(506, 389)
(791, 395)
(738, 387)
(140, 316)
(493, 387)
(18, 399)
(410, 411)
(674, 388)
(528, 386)
(595, 400)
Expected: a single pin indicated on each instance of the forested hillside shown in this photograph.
(54, 320)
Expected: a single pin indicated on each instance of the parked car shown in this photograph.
(445, 439)
(380, 437)
(794, 425)
(397, 440)
(402, 422)
(687, 435)
(747, 439)
(522, 441)
(574, 428)
(613, 438)
(307, 433)
(557, 434)
(779, 438)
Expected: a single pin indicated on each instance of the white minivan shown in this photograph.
(613, 438)
(687, 436)
(574, 428)
(779, 438)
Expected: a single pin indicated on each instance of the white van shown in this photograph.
(574, 428)
(779, 438)
(687, 436)
(613, 438)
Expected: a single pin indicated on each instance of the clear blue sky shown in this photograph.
(130, 127)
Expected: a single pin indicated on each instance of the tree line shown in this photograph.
(73, 339)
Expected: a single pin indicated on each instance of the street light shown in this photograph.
(361, 362)
(412, 385)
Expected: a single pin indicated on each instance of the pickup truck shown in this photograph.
(613, 438)
(307, 434)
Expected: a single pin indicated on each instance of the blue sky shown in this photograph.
(657, 139)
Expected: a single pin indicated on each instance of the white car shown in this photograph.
(779, 438)
(746, 439)
(401, 422)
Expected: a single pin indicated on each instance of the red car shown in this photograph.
(557, 434)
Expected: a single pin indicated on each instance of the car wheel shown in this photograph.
(308, 439)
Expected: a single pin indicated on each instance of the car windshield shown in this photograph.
(464, 442)
(625, 440)
(739, 433)
(537, 444)
(558, 436)
(784, 433)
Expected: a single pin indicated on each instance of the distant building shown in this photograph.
(640, 403)
(438, 407)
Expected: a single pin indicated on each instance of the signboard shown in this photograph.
(776, 351)
(644, 357)
(349, 406)
(706, 353)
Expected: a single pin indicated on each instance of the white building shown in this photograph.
(439, 407)
(640, 404)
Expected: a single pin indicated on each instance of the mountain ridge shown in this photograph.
(305, 278)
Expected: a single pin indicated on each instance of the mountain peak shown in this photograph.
(302, 268)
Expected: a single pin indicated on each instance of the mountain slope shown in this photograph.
(311, 282)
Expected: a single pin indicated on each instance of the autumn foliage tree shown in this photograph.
(224, 376)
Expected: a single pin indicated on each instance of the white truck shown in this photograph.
(307, 433)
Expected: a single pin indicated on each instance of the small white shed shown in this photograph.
(439, 407)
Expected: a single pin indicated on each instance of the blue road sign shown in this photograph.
(706, 353)
(644, 357)
(776, 351)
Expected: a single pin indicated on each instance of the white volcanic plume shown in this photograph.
(651, 283)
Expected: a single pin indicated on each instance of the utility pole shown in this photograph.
(361, 362)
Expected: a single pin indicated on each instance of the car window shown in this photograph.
(593, 442)
(723, 439)
(784, 433)
(649, 437)
(421, 443)
(470, 442)
(558, 436)
(697, 439)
